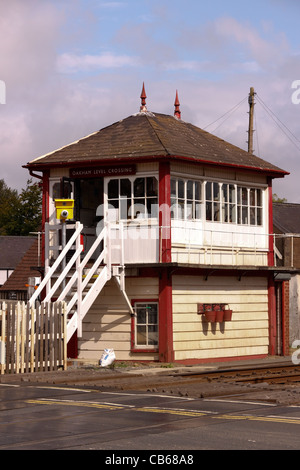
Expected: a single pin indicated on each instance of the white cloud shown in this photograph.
(60, 88)
(29, 34)
(225, 42)
(70, 63)
(112, 4)
(187, 65)
(262, 50)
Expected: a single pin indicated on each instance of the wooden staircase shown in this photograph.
(75, 278)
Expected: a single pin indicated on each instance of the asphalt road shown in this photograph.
(48, 417)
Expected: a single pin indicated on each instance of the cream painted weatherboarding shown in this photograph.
(108, 322)
(245, 335)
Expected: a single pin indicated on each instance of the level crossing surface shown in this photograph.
(47, 417)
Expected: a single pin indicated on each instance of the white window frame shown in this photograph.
(183, 207)
(146, 345)
(132, 206)
(242, 210)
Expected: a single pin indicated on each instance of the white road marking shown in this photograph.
(240, 401)
(9, 385)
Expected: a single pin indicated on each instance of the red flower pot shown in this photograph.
(219, 315)
(227, 315)
(210, 316)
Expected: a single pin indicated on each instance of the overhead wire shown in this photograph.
(256, 132)
(229, 112)
(279, 123)
(289, 134)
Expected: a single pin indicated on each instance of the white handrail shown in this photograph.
(94, 246)
(53, 268)
(79, 301)
(62, 275)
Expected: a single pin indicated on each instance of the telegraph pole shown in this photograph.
(251, 115)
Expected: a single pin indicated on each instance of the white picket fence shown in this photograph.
(32, 339)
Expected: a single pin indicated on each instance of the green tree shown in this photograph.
(20, 214)
(8, 204)
(278, 199)
(30, 208)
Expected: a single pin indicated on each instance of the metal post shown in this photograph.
(63, 243)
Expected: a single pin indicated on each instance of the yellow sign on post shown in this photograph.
(64, 208)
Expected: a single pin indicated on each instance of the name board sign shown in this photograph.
(99, 171)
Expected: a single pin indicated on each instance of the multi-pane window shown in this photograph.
(146, 324)
(212, 192)
(249, 205)
(133, 198)
(145, 197)
(119, 197)
(185, 199)
(255, 206)
(230, 203)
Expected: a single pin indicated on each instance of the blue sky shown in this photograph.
(72, 67)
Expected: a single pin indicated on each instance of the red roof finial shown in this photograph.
(177, 112)
(143, 107)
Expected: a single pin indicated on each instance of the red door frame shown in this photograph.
(165, 212)
(165, 342)
(166, 353)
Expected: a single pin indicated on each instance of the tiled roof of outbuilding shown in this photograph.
(19, 278)
(286, 217)
(12, 250)
(153, 136)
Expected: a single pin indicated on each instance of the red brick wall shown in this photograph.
(285, 315)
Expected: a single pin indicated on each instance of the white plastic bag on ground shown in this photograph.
(107, 357)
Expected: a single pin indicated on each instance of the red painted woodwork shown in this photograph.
(165, 342)
(164, 212)
(72, 347)
(139, 159)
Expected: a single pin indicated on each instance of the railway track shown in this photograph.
(168, 379)
(271, 374)
(177, 380)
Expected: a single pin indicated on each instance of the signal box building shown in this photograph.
(167, 254)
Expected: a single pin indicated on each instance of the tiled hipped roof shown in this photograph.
(19, 278)
(153, 136)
